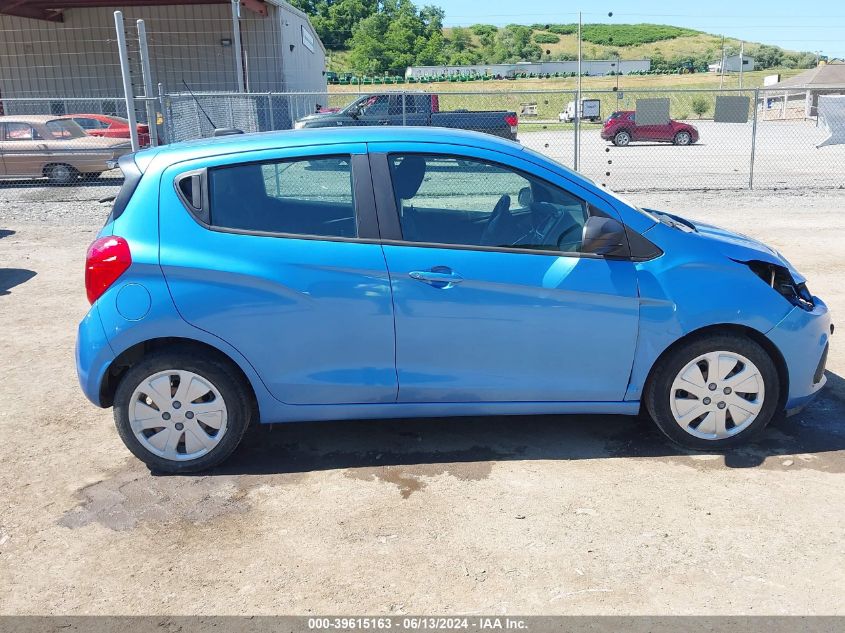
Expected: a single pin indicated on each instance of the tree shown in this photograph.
(700, 106)
(397, 35)
(460, 39)
(334, 19)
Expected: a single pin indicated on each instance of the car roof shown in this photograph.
(86, 115)
(235, 143)
(28, 118)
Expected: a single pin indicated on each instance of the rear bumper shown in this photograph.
(803, 339)
(93, 355)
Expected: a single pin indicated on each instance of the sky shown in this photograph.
(821, 26)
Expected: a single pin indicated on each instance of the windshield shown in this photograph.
(610, 193)
(353, 107)
(64, 128)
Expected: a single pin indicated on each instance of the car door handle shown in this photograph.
(440, 277)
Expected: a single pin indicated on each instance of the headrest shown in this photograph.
(408, 176)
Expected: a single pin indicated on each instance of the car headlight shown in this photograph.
(780, 279)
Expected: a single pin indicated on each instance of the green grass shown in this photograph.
(497, 95)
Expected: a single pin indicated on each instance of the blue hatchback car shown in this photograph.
(404, 272)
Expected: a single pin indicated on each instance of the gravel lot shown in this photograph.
(522, 515)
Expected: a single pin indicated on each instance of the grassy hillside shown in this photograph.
(603, 41)
(630, 41)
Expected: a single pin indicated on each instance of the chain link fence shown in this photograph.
(673, 139)
(707, 139)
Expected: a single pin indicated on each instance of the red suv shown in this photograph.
(621, 128)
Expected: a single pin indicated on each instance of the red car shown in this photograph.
(109, 126)
(621, 128)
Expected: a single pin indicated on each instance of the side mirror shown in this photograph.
(526, 198)
(604, 236)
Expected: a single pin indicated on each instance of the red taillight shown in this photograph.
(107, 259)
(512, 120)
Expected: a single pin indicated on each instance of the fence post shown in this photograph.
(270, 108)
(127, 80)
(236, 44)
(404, 115)
(753, 140)
(149, 105)
(164, 114)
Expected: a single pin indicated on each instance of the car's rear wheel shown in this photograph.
(181, 413)
(621, 138)
(713, 392)
(682, 138)
(61, 174)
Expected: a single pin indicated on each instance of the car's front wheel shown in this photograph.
(181, 413)
(713, 392)
(682, 138)
(621, 138)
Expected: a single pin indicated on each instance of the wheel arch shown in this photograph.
(732, 328)
(55, 163)
(135, 353)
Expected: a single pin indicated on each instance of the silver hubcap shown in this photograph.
(717, 395)
(622, 138)
(177, 415)
(60, 172)
(683, 138)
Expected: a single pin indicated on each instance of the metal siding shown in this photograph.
(78, 58)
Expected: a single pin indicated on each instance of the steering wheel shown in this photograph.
(572, 232)
(496, 221)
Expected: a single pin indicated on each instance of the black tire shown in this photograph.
(622, 138)
(227, 381)
(61, 174)
(682, 138)
(658, 391)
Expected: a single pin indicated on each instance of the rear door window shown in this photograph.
(13, 131)
(307, 196)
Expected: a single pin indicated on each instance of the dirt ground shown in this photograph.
(528, 515)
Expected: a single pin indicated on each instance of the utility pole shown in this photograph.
(722, 65)
(578, 100)
(741, 62)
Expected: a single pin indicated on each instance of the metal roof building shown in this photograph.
(67, 48)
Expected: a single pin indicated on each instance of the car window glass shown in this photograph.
(64, 129)
(88, 124)
(454, 200)
(304, 196)
(19, 132)
(376, 105)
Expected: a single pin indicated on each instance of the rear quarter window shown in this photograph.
(307, 196)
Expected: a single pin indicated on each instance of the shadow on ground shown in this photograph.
(817, 432)
(11, 277)
(30, 183)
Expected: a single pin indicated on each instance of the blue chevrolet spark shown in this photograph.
(405, 272)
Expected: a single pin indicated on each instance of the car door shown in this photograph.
(24, 151)
(277, 253)
(493, 302)
(376, 111)
(659, 132)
